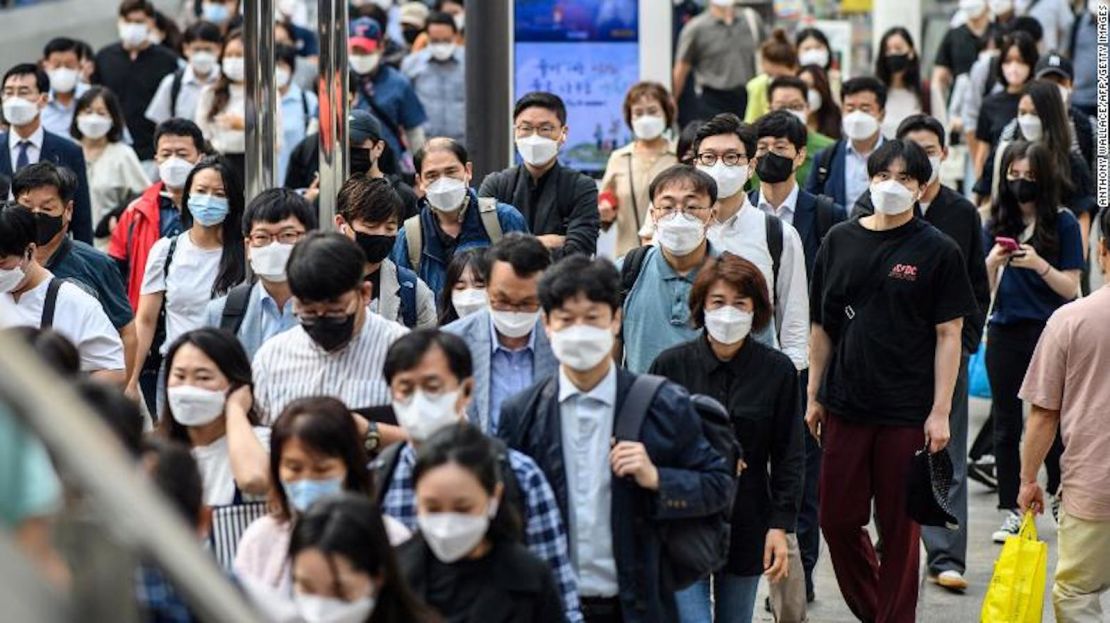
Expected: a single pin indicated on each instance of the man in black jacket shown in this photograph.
(559, 204)
(952, 214)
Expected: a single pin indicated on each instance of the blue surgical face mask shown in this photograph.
(215, 12)
(208, 210)
(302, 493)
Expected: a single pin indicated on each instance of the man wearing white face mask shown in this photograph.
(567, 421)
(559, 204)
(299, 108)
(656, 279)
(890, 293)
(840, 171)
(61, 59)
(430, 376)
(178, 92)
(452, 218)
(439, 77)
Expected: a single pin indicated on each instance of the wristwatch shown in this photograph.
(373, 440)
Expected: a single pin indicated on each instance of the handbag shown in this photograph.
(1016, 591)
(978, 384)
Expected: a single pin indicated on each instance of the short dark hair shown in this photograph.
(324, 266)
(42, 174)
(440, 143)
(369, 199)
(111, 102)
(407, 351)
(655, 91)
(727, 123)
(203, 31)
(441, 18)
(180, 127)
(42, 81)
(921, 122)
(782, 124)
(787, 82)
(597, 279)
(118, 412)
(286, 54)
(1027, 48)
(17, 229)
(864, 84)
(524, 252)
(542, 99)
(128, 7)
(53, 348)
(910, 153)
(277, 204)
(1028, 25)
(740, 274)
(175, 473)
(62, 44)
(687, 176)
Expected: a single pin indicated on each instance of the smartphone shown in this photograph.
(1009, 244)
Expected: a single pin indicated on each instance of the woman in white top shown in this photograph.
(207, 260)
(115, 175)
(899, 69)
(221, 108)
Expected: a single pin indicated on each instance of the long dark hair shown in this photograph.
(1006, 217)
(1056, 128)
(324, 424)
(464, 445)
(814, 33)
(233, 259)
(222, 92)
(227, 353)
(1027, 49)
(911, 76)
(351, 526)
(111, 102)
(473, 258)
(828, 116)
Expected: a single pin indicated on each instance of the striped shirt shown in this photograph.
(291, 365)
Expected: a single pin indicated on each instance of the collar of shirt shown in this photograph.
(59, 255)
(35, 139)
(495, 344)
(670, 274)
(536, 185)
(190, 77)
(268, 302)
(604, 392)
(852, 148)
(709, 361)
(292, 95)
(78, 91)
(730, 221)
(785, 211)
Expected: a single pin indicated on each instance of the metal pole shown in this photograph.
(332, 91)
(489, 85)
(262, 97)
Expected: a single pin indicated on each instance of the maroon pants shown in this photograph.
(863, 462)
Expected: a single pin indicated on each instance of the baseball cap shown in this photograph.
(1053, 63)
(365, 32)
(363, 127)
(928, 483)
(414, 14)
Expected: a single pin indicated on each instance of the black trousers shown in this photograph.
(602, 610)
(809, 530)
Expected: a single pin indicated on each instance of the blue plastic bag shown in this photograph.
(978, 385)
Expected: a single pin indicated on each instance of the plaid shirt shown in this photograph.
(544, 533)
(158, 600)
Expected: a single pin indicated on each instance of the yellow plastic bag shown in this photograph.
(1016, 592)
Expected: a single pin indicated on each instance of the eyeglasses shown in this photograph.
(264, 238)
(665, 212)
(730, 159)
(525, 306)
(549, 131)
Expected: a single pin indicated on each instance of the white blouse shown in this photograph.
(115, 177)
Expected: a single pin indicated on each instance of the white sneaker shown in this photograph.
(952, 580)
(1010, 527)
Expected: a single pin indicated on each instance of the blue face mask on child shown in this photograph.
(302, 493)
(208, 210)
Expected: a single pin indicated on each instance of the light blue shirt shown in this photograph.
(856, 179)
(298, 108)
(511, 372)
(441, 87)
(56, 117)
(1086, 74)
(274, 320)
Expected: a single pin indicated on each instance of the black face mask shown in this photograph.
(46, 227)
(773, 168)
(897, 62)
(330, 333)
(410, 35)
(1023, 190)
(361, 161)
(375, 246)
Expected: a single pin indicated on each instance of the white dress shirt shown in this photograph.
(586, 422)
(856, 179)
(161, 107)
(785, 211)
(34, 150)
(745, 235)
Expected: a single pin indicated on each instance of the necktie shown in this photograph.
(22, 159)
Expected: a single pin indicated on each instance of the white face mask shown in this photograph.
(363, 64)
(203, 62)
(728, 325)
(234, 68)
(813, 98)
(814, 56)
(859, 125)
(133, 35)
(680, 233)
(1015, 72)
(891, 198)
(460, 21)
(11, 278)
(468, 301)
(999, 7)
(19, 111)
(800, 114)
(423, 414)
(581, 347)
(441, 51)
(447, 194)
(317, 609)
(63, 79)
(730, 180)
(648, 127)
(174, 171)
(514, 323)
(451, 536)
(537, 150)
(724, 3)
(934, 161)
(973, 8)
(92, 125)
(1065, 94)
(195, 406)
(269, 261)
(1031, 127)
(283, 76)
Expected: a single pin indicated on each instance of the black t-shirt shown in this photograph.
(134, 82)
(880, 295)
(959, 49)
(997, 111)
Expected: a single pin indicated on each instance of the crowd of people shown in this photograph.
(541, 396)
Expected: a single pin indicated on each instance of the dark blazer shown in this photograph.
(567, 206)
(519, 588)
(954, 215)
(64, 152)
(805, 221)
(834, 185)
(693, 482)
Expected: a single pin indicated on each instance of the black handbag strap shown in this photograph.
(630, 418)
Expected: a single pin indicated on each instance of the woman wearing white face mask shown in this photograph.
(209, 407)
(467, 561)
(114, 172)
(464, 291)
(1017, 57)
(758, 385)
(649, 111)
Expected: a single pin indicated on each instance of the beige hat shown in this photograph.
(414, 14)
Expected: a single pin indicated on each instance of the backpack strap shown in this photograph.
(383, 466)
(51, 303)
(826, 210)
(235, 308)
(408, 281)
(414, 240)
(636, 404)
(169, 257)
(774, 247)
(175, 90)
(487, 210)
(631, 267)
(824, 163)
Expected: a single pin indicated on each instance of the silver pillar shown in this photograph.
(332, 91)
(489, 83)
(262, 97)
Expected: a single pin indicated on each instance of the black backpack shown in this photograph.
(699, 546)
